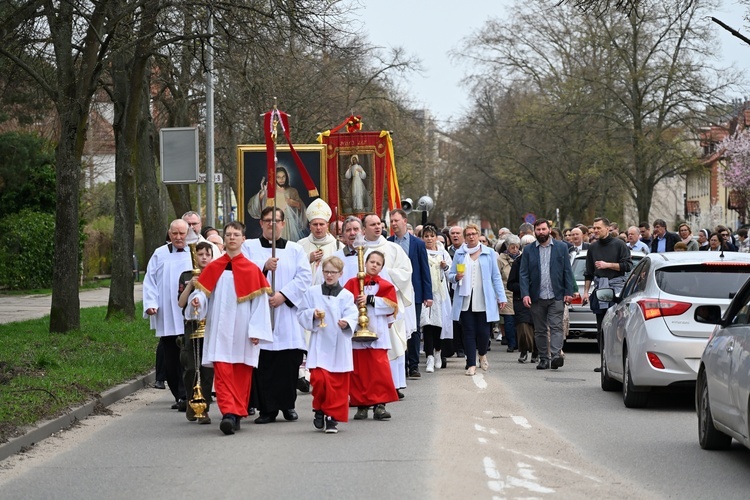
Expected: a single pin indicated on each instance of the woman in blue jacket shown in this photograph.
(478, 297)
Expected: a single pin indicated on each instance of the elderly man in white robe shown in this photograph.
(397, 270)
(232, 295)
(275, 384)
(160, 286)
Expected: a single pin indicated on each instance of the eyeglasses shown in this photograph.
(331, 272)
(471, 235)
(270, 221)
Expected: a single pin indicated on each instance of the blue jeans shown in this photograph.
(510, 331)
(476, 335)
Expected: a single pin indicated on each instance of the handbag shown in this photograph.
(431, 316)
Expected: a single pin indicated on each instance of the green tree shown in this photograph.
(27, 173)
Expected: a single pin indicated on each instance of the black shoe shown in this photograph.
(400, 394)
(511, 349)
(534, 359)
(598, 369)
(414, 373)
(504, 341)
(522, 358)
(251, 411)
(460, 354)
(265, 419)
(175, 406)
(227, 424)
(159, 384)
(331, 426)
(380, 413)
(290, 415)
(444, 363)
(303, 385)
(558, 362)
(543, 365)
(182, 406)
(319, 420)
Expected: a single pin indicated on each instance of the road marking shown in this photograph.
(481, 428)
(479, 381)
(527, 481)
(482, 440)
(518, 420)
(554, 463)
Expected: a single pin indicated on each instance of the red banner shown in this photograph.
(360, 171)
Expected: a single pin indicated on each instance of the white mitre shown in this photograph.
(319, 209)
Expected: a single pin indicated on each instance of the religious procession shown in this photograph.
(314, 292)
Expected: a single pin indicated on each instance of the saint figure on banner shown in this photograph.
(357, 174)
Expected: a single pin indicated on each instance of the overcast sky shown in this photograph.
(429, 29)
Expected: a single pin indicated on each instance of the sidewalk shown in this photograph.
(23, 307)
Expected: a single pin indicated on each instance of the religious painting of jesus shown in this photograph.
(291, 196)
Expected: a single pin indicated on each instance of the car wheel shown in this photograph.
(630, 397)
(708, 436)
(608, 384)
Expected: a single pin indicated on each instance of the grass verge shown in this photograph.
(43, 375)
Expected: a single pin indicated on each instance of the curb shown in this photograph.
(45, 429)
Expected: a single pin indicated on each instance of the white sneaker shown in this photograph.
(438, 360)
(430, 364)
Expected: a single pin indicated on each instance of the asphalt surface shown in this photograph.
(24, 307)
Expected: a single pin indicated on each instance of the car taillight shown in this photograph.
(653, 308)
(655, 361)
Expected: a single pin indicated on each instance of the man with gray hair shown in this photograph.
(160, 293)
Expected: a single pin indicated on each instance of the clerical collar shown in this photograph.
(280, 243)
(172, 249)
(349, 251)
(332, 290)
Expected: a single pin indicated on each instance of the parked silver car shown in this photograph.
(722, 393)
(651, 338)
(582, 319)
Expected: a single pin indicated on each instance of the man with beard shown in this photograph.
(546, 283)
(287, 200)
(607, 262)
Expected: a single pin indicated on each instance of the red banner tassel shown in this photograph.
(306, 179)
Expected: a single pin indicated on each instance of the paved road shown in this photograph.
(513, 432)
(23, 307)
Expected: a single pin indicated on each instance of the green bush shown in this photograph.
(27, 250)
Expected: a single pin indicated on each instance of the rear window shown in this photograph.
(703, 281)
(579, 266)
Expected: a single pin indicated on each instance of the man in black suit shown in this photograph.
(576, 239)
(663, 240)
(420, 279)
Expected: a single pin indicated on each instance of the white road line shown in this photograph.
(482, 440)
(528, 480)
(518, 420)
(479, 381)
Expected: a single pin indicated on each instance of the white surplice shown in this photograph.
(293, 278)
(160, 284)
(330, 346)
(231, 325)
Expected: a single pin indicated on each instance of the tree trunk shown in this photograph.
(152, 217)
(179, 195)
(65, 308)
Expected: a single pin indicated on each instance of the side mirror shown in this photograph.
(605, 294)
(708, 314)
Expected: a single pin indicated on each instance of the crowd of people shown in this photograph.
(351, 314)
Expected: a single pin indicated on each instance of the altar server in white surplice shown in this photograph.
(329, 357)
(232, 295)
(160, 286)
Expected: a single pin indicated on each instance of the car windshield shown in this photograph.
(579, 266)
(713, 281)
